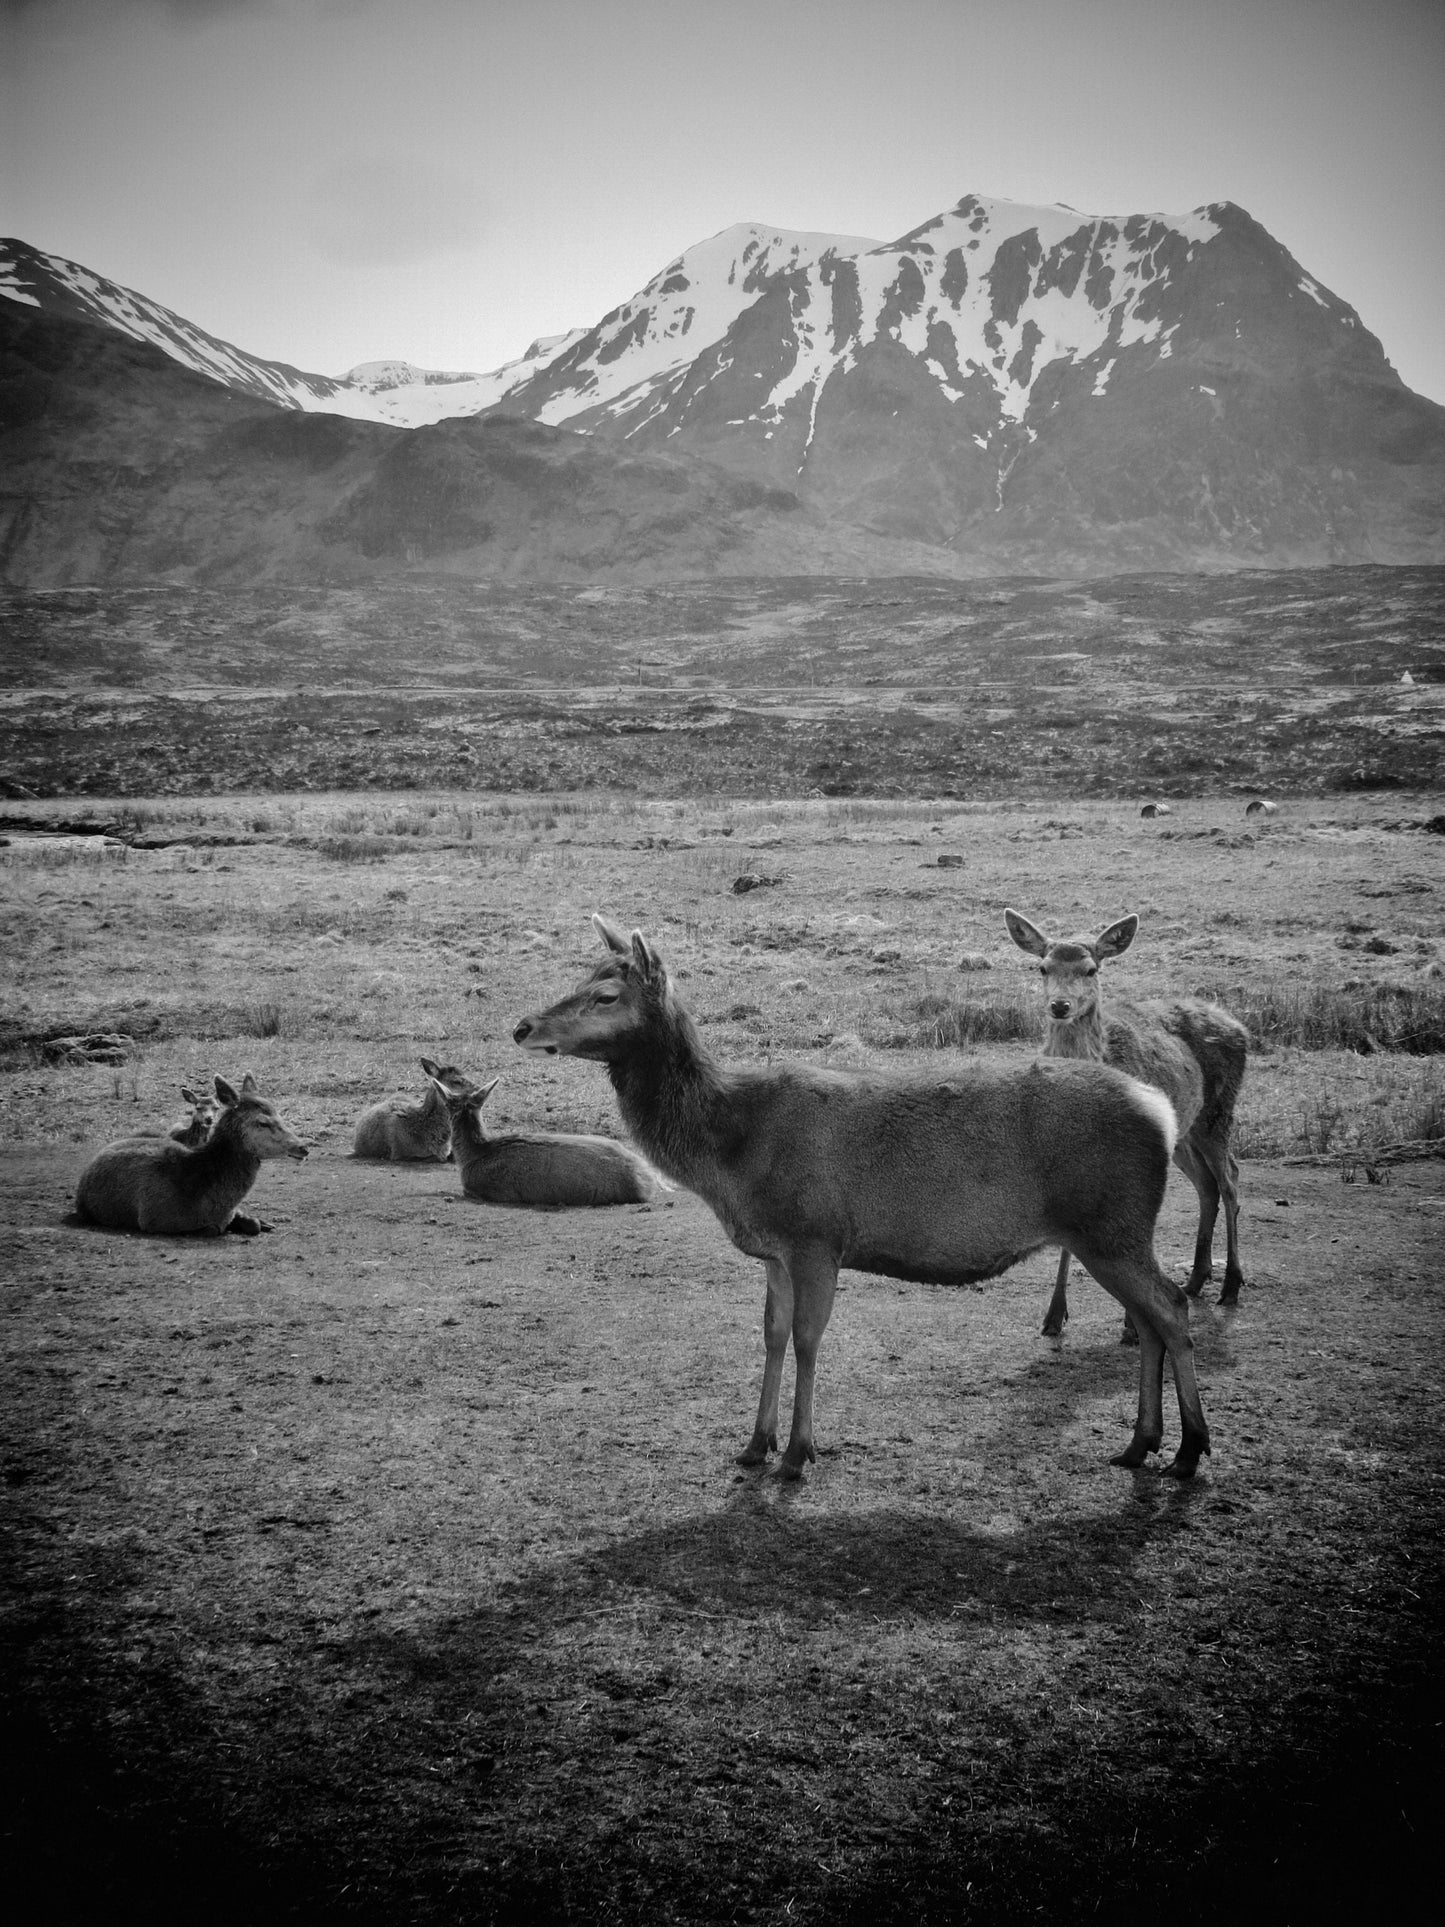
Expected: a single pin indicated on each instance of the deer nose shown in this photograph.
(523, 1031)
(1058, 1008)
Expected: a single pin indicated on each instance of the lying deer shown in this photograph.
(158, 1185)
(406, 1128)
(1193, 1051)
(543, 1171)
(946, 1180)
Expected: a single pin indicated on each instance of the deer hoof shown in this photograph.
(1185, 1462)
(755, 1452)
(1133, 1455)
(1052, 1328)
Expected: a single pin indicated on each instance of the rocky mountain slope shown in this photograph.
(118, 466)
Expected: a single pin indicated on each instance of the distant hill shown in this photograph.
(119, 466)
(1003, 389)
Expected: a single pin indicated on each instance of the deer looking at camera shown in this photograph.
(1192, 1050)
(941, 1179)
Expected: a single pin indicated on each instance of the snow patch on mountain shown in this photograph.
(650, 342)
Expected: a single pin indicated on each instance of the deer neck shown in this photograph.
(1082, 1036)
(224, 1159)
(468, 1138)
(668, 1089)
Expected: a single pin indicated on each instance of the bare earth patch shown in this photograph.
(396, 1567)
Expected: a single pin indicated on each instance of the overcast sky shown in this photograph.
(327, 182)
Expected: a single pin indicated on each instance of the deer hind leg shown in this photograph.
(1161, 1313)
(815, 1282)
(1224, 1169)
(1189, 1155)
(1057, 1315)
(777, 1325)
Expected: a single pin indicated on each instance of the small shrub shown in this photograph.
(354, 849)
(944, 1023)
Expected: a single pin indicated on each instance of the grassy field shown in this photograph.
(324, 941)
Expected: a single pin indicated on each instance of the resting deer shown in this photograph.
(946, 1180)
(406, 1128)
(1191, 1050)
(195, 1129)
(544, 1171)
(161, 1186)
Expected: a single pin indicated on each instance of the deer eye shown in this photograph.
(606, 994)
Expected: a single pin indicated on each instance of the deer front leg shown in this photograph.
(245, 1226)
(777, 1324)
(815, 1282)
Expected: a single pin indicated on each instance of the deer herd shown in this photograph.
(941, 1178)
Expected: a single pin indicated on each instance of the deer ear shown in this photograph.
(189, 1095)
(611, 936)
(249, 1086)
(1025, 934)
(226, 1092)
(479, 1096)
(649, 963)
(430, 1066)
(1116, 939)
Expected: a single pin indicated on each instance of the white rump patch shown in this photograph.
(1158, 1107)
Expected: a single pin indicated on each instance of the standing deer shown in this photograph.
(1193, 1051)
(543, 1170)
(944, 1180)
(140, 1184)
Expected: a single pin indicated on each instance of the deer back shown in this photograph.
(546, 1171)
(919, 1176)
(405, 1128)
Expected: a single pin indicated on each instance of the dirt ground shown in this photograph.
(396, 1567)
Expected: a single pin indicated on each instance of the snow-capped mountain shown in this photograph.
(985, 298)
(1045, 388)
(1003, 387)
